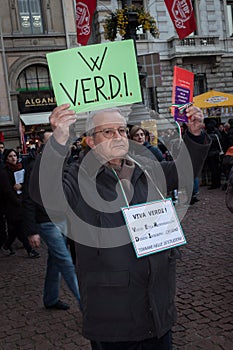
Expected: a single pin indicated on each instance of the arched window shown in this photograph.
(30, 16)
(35, 93)
(35, 77)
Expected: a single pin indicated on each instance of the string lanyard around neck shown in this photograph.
(146, 173)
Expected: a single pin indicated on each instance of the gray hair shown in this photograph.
(90, 124)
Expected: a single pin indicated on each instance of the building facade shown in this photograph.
(208, 52)
(30, 29)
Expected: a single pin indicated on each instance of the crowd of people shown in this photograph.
(126, 302)
(21, 218)
(219, 160)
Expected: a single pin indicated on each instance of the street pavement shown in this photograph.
(204, 290)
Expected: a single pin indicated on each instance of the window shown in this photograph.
(230, 16)
(200, 85)
(152, 99)
(35, 77)
(137, 3)
(30, 16)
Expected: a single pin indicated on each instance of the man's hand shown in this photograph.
(60, 121)
(34, 240)
(195, 120)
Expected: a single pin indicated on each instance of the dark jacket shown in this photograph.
(155, 151)
(123, 298)
(145, 150)
(230, 137)
(12, 201)
(215, 147)
(33, 213)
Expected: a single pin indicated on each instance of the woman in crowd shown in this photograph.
(12, 196)
(138, 135)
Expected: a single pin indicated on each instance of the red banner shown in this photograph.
(84, 14)
(22, 138)
(182, 15)
(1, 136)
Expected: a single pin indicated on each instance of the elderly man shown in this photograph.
(128, 302)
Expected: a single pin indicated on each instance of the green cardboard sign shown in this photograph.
(96, 76)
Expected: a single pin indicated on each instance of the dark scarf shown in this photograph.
(13, 168)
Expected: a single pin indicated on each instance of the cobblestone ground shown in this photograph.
(204, 290)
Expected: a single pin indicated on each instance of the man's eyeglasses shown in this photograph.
(110, 132)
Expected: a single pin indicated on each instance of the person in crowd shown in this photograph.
(194, 199)
(138, 135)
(76, 148)
(229, 191)
(2, 152)
(12, 197)
(19, 152)
(3, 233)
(227, 164)
(37, 224)
(213, 158)
(230, 132)
(127, 302)
(223, 130)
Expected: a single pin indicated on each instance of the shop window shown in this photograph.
(35, 77)
(30, 16)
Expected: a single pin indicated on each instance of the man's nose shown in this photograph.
(116, 134)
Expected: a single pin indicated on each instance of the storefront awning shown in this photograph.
(213, 98)
(35, 118)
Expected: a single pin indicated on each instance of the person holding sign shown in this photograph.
(126, 232)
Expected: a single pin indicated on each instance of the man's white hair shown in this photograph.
(90, 124)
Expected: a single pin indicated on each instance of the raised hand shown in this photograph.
(60, 121)
(195, 120)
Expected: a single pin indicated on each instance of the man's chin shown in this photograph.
(119, 152)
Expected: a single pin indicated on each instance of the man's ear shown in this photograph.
(90, 141)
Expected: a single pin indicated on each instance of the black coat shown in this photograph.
(123, 298)
(12, 201)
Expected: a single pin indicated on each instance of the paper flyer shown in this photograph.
(182, 93)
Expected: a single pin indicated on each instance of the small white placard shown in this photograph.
(153, 227)
(19, 178)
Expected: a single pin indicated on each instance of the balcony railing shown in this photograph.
(202, 41)
(195, 45)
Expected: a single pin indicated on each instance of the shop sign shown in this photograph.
(36, 101)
